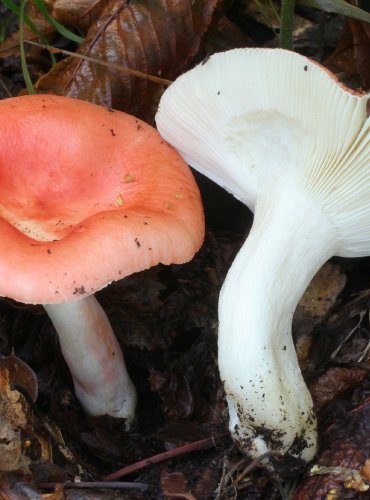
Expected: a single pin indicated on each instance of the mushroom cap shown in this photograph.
(250, 118)
(88, 195)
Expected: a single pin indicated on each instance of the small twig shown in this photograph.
(109, 65)
(6, 90)
(222, 480)
(348, 336)
(161, 457)
(234, 468)
(254, 464)
(89, 485)
(365, 353)
(244, 472)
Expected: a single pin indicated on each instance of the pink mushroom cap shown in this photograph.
(88, 195)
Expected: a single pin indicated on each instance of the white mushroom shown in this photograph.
(277, 131)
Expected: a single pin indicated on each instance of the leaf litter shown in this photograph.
(166, 318)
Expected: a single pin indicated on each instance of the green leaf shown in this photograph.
(26, 74)
(286, 24)
(338, 7)
(59, 27)
(13, 7)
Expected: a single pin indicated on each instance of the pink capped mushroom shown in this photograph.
(88, 196)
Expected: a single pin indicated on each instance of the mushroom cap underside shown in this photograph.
(87, 196)
(250, 118)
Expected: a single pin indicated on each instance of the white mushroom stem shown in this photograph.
(94, 358)
(269, 404)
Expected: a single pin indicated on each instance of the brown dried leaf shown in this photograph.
(315, 304)
(12, 406)
(175, 392)
(159, 39)
(350, 60)
(10, 447)
(21, 441)
(208, 481)
(106, 438)
(351, 478)
(188, 387)
(339, 336)
(20, 374)
(134, 319)
(10, 46)
(225, 36)
(13, 419)
(342, 61)
(345, 448)
(365, 470)
(174, 486)
(79, 13)
(361, 48)
(333, 382)
(322, 292)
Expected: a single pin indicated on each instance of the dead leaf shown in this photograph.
(13, 419)
(10, 447)
(334, 382)
(365, 470)
(351, 478)
(208, 481)
(79, 13)
(175, 392)
(361, 50)
(341, 336)
(134, 307)
(12, 404)
(321, 293)
(226, 35)
(21, 440)
(159, 38)
(10, 46)
(107, 444)
(174, 486)
(345, 447)
(20, 374)
(341, 61)
(314, 306)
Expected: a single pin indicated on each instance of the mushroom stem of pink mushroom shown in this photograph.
(94, 358)
(270, 406)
